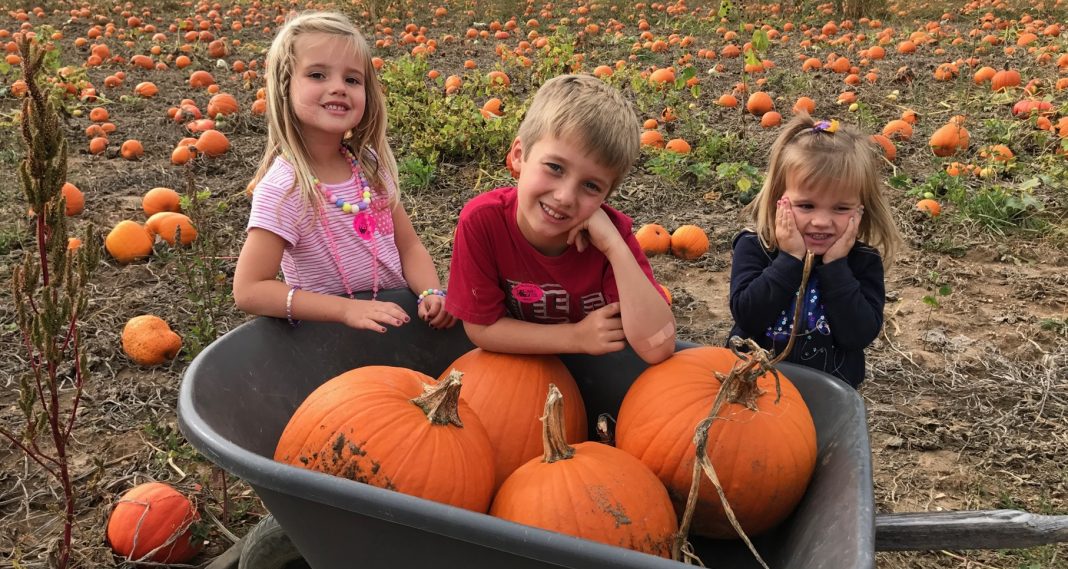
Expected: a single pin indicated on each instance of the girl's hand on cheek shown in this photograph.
(786, 232)
(845, 242)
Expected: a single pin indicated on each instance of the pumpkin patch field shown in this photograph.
(161, 105)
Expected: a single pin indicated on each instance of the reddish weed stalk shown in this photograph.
(50, 296)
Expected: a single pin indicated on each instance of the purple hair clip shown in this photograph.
(829, 126)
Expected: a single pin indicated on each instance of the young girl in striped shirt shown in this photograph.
(324, 205)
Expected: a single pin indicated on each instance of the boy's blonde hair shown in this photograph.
(837, 159)
(584, 109)
(367, 140)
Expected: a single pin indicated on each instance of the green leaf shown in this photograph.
(1030, 183)
(760, 41)
(751, 58)
(944, 290)
(724, 8)
(744, 184)
(930, 300)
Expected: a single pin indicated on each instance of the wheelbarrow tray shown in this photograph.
(239, 393)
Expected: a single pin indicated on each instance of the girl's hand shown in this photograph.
(601, 331)
(845, 242)
(598, 231)
(787, 235)
(373, 315)
(432, 311)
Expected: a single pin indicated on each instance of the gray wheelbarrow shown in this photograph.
(238, 395)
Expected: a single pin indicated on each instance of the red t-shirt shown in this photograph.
(496, 272)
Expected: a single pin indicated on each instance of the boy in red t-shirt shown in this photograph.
(547, 267)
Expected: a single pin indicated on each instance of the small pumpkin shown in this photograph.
(592, 490)
(222, 104)
(153, 522)
(173, 226)
(75, 199)
(362, 425)
(653, 239)
(948, 139)
(759, 103)
(930, 207)
(505, 391)
(160, 199)
(678, 146)
(652, 138)
(132, 149)
(689, 242)
(148, 340)
(763, 449)
(128, 241)
(212, 143)
(1005, 79)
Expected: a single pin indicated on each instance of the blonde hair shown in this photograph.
(583, 108)
(367, 140)
(819, 158)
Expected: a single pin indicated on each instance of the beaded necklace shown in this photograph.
(363, 223)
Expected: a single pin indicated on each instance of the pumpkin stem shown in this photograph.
(553, 435)
(441, 401)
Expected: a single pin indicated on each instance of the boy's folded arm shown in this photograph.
(648, 323)
(510, 336)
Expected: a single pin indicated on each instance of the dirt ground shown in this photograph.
(967, 401)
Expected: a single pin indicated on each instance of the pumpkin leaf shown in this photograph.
(760, 41)
(725, 7)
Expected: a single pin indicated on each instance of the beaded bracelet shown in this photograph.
(289, 307)
(428, 292)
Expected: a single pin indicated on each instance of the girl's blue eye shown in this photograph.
(353, 80)
(316, 75)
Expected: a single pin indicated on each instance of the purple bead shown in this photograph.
(362, 205)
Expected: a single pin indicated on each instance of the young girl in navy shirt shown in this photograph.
(822, 194)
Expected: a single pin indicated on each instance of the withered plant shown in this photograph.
(50, 298)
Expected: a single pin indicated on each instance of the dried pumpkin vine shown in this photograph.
(742, 377)
(50, 298)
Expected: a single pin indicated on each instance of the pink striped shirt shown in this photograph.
(307, 260)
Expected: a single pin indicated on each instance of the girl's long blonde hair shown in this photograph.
(832, 158)
(367, 140)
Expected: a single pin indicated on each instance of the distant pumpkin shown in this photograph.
(653, 239)
(148, 340)
(689, 242)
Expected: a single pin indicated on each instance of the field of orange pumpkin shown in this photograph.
(173, 95)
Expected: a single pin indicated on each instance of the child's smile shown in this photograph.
(326, 89)
(560, 186)
(820, 215)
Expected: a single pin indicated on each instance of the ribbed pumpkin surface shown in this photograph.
(507, 391)
(763, 458)
(362, 425)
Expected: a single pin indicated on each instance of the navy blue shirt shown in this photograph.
(842, 311)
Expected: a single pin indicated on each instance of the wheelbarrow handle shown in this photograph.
(968, 529)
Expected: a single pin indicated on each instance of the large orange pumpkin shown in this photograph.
(763, 455)
(506, 391)
(362, 425)
(153, 516)
(592, 490)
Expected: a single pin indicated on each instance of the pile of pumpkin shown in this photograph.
(512, 443)
(688, 242)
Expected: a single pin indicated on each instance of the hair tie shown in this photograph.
(828, 126)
